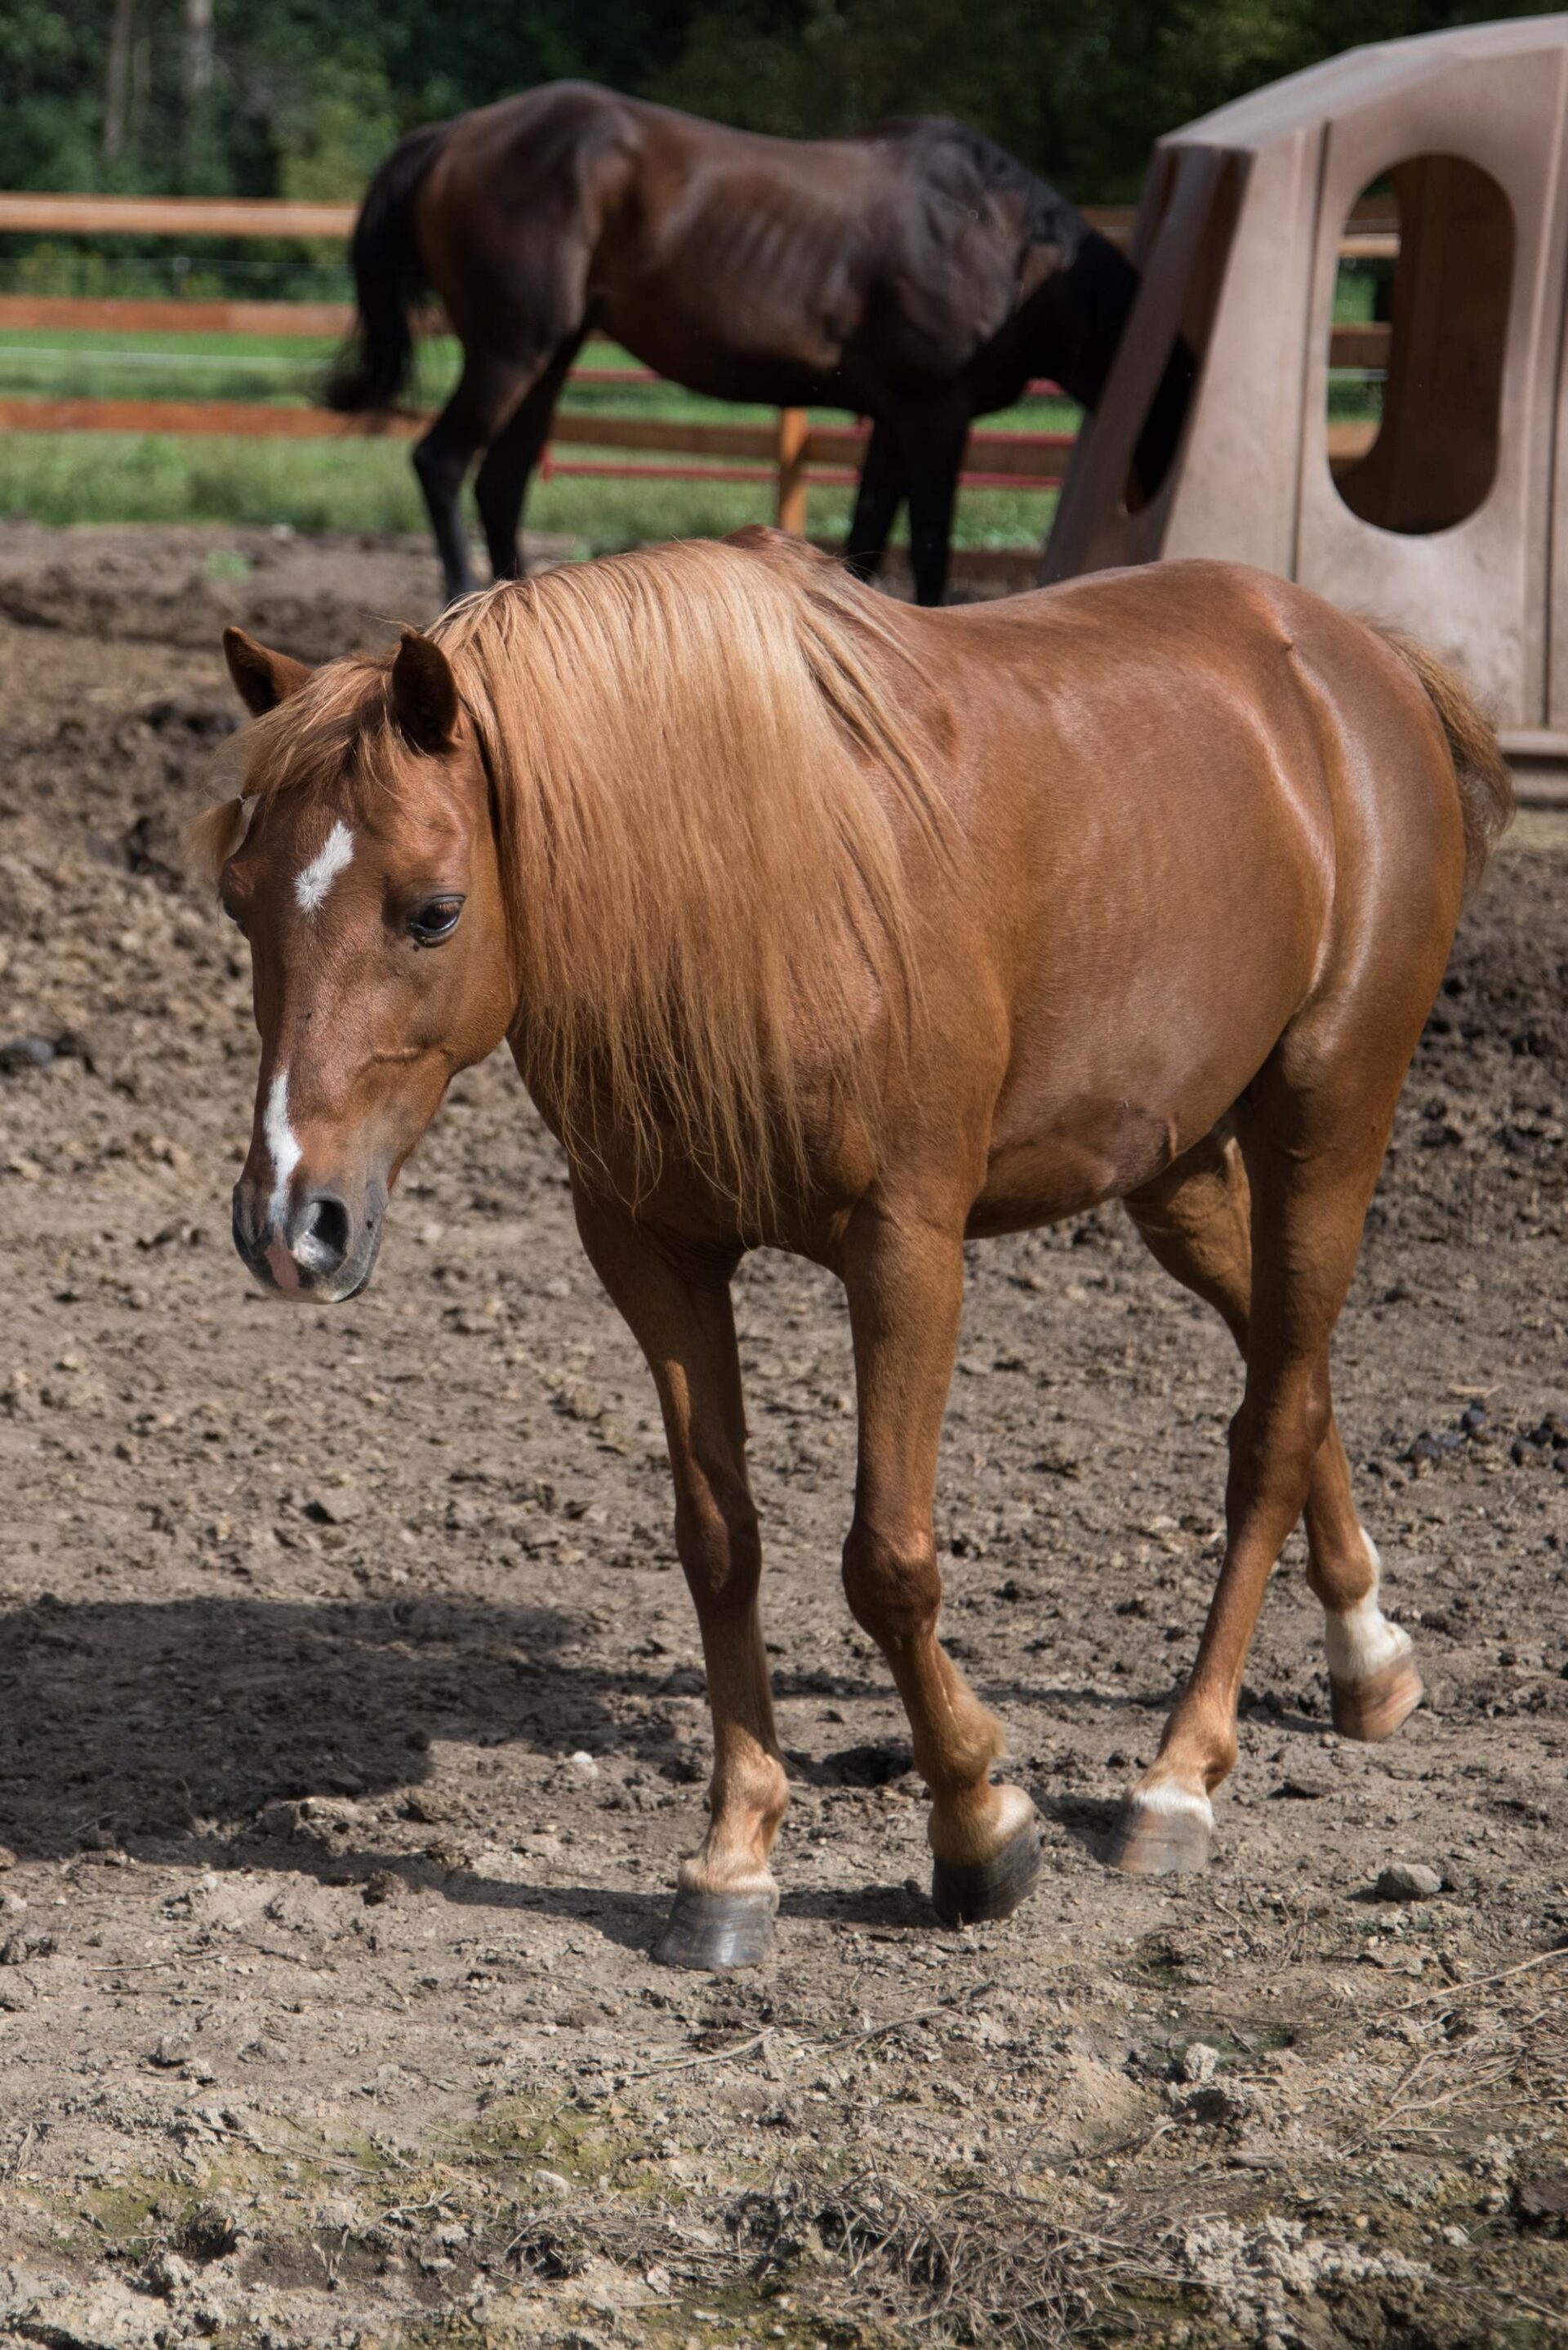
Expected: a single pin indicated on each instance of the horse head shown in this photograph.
(361, 865)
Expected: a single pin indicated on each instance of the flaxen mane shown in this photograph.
(708, 805)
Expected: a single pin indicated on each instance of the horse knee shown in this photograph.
(719, 1538)
(891, 1584)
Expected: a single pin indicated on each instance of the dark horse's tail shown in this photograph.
(376, 362)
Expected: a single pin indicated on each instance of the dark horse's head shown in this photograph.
(1077, 294)
(362, 867)
(1077, 317)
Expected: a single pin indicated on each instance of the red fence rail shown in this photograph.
(791, 453)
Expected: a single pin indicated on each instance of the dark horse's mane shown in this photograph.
(962, 163)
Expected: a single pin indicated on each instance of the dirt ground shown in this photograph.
(351, 1721)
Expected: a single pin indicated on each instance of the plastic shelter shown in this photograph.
(1450, 517)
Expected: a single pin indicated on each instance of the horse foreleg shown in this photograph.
(905, 1287)
(1310, 1192)
(474, 414)
(678, 1307)
(510, 460)
(876, 501)
(1195, 1219)
(934, 446)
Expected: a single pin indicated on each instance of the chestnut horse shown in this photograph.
(916, 274)
(819, 922)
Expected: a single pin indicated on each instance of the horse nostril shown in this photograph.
(245, 1226)
(320, 1240)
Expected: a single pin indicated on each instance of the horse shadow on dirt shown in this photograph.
(237, 1731)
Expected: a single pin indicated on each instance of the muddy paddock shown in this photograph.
(351, 1721)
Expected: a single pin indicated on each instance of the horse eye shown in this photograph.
(432, 922)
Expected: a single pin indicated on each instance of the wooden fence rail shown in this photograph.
(81, 313)
(60, 215)
(790, 451)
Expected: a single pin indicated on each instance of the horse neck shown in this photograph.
(1077, 321)
(1075, 317)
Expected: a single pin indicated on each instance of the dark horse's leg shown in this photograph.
(932, 439)
(510, 460)
(473, 416)
(677, 1302)
(882, 489)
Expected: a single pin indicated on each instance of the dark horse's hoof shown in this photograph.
(712, 1930)
(967, 1893)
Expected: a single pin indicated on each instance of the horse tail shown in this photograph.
(1485, 786)
(378, 358)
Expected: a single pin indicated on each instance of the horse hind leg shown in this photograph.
(510, 460)
(477, 412)
(1195, 1219)
(1373, 1681)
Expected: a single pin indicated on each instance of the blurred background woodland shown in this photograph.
(302, 98)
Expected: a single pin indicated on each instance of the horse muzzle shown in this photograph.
(320, 1249)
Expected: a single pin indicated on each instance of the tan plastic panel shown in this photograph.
(1253, 479)
(1477, 592)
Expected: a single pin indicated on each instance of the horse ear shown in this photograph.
(424, 695)
(262, 679)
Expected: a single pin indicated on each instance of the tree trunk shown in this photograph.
(116, 80)
(196, 155)
(196, 56)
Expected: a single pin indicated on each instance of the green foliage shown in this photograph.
(50, 57)
(307, 94)
(346, 125)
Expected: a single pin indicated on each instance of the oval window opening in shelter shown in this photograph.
(1419, 337)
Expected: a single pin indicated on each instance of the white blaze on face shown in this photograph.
(311, 886)
(281, 1146)
(1361, 1642)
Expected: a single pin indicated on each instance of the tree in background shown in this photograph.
(303, 97)
(1080, 90)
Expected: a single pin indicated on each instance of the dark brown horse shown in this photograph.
(915, 275)
(816, 920)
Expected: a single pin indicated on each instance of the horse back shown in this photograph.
(740, 263)
(1202, 802)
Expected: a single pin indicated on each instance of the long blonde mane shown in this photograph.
(708, 806)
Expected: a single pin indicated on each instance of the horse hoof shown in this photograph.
(710, 1931)
(1160, 1839)
(966, 1893)
(1375, 1708)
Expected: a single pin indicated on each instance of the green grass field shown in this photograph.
(368, 486)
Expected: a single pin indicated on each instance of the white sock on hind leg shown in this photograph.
(1362, 1642)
